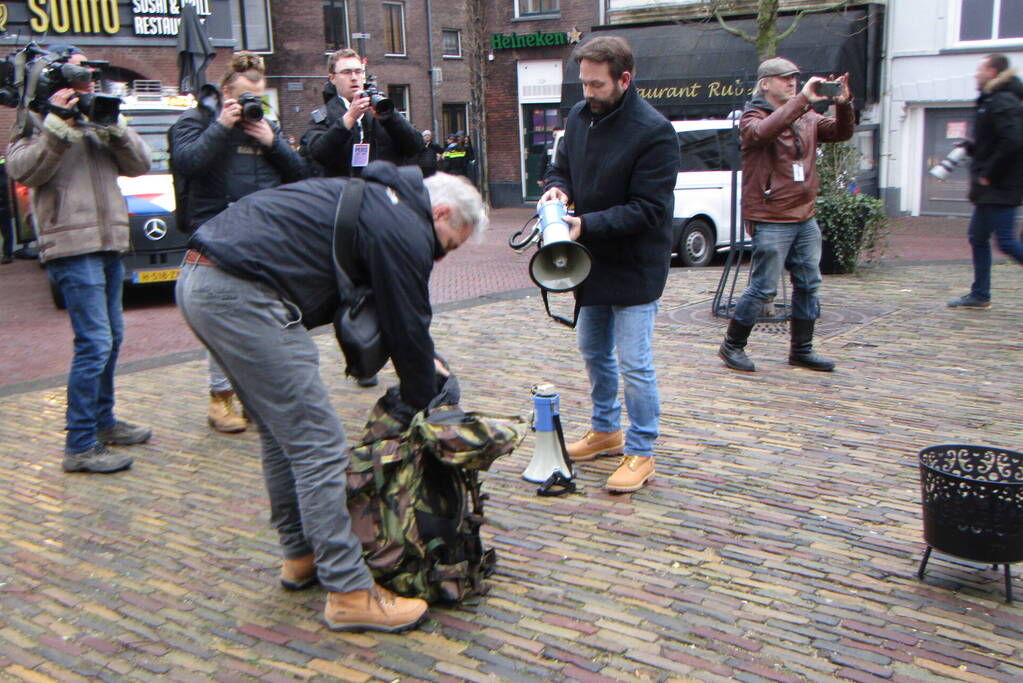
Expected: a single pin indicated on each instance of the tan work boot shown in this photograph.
(222, 415)
(298, 573)
(596, 443)
(376, 609)
(631, 475)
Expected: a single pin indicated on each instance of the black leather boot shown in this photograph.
(731, 349)
(801, 352)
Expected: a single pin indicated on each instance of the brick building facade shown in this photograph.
(523, 94)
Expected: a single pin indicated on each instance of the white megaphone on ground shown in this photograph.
(550, 466)
(560, 265)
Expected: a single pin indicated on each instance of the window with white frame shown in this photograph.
(452, 45)
(250, 22)
(527, 7)
(398, 94)
(394, 28)
(990, 20)
(335, 23)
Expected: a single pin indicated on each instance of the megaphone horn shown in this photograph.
(549, 465)
(560, 265)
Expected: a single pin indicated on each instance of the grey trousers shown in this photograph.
(273, 364)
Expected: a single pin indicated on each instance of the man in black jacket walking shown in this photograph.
(223, 155)
(618, 163)
(261, 273)
(347, 133)
(996, 173)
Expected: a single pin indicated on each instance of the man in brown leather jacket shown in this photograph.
(779, 133)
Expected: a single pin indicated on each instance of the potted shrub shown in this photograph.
(852, 224)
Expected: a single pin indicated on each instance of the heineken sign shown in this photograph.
(510, 41)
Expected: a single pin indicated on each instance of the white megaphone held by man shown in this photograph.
(550, 466)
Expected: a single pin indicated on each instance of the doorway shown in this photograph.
(539, 123)
(943, 128)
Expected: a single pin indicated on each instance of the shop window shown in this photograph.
(452, 46)
(527, 7)
(250, 22)
(990, 20)
(399, 95)
(335, 23)
(394, 28)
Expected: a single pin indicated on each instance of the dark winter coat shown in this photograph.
(328, 143)
(620, 170)
(427, 158)
(997, 145)
(221, 165)
(283, 237)
(775, 139)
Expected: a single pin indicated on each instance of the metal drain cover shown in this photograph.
(834, 319)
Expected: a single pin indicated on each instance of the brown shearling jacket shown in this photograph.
(76, 202)
(770, 148)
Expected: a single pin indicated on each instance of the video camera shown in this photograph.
(30, 76)
(381, 104)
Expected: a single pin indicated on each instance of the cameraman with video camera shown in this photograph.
(222, 150)
(341, 138)
(72, 165)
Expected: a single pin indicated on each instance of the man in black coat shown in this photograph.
(347, 133)
(618, 163)
(258, 276)
(996, 173)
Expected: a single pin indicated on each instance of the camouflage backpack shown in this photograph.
(415, 501)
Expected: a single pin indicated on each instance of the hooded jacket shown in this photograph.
(283, 236)
(620, 170)
(997, 146)
(221, 165)
(329, 143)
(773, 140)
(77, 204)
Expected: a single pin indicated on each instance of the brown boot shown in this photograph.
(376, 609)
(222, 416)
(298, 573)
(596, 443)
(631, 475)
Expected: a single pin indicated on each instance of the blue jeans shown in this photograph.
(91, 286)
(601, 331)
(797, 246)
(987, 219)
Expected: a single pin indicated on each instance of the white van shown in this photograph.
(702, 222)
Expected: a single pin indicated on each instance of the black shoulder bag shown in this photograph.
(356, 324)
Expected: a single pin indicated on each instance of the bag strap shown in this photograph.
(346, 228)
(564, 321)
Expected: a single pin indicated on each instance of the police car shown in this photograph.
(157, 246)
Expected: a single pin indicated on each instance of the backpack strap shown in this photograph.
(346, 228)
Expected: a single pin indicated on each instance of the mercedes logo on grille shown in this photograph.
(155, 229)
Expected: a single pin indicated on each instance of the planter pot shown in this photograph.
(830, 265)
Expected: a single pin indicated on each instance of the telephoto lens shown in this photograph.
(252, 107)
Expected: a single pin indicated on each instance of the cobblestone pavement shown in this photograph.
(779, 540)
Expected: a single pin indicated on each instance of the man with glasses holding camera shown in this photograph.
(72, 165)
(222, 150)
(779, 132)
(350, 131)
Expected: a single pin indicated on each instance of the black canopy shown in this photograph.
(699, 70)
(194, 51)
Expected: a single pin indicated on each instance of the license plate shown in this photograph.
(147, 276)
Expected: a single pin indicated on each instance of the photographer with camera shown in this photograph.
(223, 151)
(996, 173)
(72, 165)
(341, 138)
(779, 132)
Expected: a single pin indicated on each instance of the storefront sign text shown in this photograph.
(509, 41)
(692, 91)
(74, 16)
(161, 17)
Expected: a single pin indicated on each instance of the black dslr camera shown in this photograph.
(31, 75)
(252, 107)
(381, 104)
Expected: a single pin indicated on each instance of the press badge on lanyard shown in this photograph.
(797, 173)
(360, 154)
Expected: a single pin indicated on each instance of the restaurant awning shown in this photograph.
(699, 70)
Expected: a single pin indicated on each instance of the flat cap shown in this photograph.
(776, 66)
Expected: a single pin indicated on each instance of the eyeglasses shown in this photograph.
(351, 72)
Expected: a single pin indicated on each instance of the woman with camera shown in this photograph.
(222, 150)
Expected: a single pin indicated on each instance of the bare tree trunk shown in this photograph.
(476, 51)
(767, 38)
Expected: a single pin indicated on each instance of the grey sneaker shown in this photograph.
(124, 434)
(968, 301)
(97, 459)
